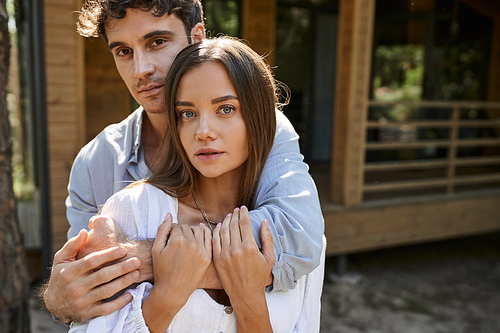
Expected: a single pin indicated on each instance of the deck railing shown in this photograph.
(448, 179)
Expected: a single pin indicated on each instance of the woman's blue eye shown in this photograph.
(226, 110)
(187, 114)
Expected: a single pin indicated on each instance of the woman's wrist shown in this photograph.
(158, 311)
(252, 314)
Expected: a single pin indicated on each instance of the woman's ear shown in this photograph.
(198, 33)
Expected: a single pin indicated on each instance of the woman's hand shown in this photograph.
(181, 255)
(243, 269)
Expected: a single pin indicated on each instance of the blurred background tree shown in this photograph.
(14, 277)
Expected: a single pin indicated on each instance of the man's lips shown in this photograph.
(150, 90)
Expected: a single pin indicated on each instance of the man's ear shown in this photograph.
(198, 33)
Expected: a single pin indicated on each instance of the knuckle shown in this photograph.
(65, 276)
(79, 306)
(90, 262)
(102, 276)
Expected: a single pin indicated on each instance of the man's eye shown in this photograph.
(123, 52)
(158, 42)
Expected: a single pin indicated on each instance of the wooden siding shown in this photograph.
(65, 104)
(363, 228)
(258, 26)
(356, 18)
(106, 96)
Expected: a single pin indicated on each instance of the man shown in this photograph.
(144, 37)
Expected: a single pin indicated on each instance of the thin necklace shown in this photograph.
(210, 222)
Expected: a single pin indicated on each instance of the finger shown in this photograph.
(216, 246)
(104, 291)
(225, 240)
(246, 226)
(70, 249)
(91, 222)
(188, 233)
(267, 242)
(234, 227)
(112, 272)
(97, 259)
(207, 237)
(106, 308)
(162, 234)
(199, 235)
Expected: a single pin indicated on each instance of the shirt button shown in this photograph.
(228, 309)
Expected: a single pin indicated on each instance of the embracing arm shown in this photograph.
(77, 286)
(288, 199)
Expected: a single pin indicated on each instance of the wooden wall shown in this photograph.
(363, 228)
(354, 52)
(106, 97)
(258, 26)
(65, 104)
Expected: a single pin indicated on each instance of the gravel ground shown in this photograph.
(443, 287)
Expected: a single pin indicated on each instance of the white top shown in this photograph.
(139, 211)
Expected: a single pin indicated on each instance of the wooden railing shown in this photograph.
(452, 143)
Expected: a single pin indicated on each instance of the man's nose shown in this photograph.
(143, 64)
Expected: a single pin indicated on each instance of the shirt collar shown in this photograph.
(138, 132)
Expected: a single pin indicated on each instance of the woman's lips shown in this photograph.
(208, 154)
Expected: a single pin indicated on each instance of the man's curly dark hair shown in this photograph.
(95, 14)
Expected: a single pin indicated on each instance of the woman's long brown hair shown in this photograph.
(257, 93)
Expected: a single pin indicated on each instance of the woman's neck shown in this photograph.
(218, 197)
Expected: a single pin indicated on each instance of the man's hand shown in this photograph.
(105, 233)
(77, 286)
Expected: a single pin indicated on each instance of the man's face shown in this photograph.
(144, 47)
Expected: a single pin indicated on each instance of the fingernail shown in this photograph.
(218, 225)
(236, 209)
(167, 216)
(266, 224)
(135, 263)
(229, 214)
(135, 275)
(243, 206)
(128, 297)
(122, 251)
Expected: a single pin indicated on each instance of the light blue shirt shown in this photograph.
(286, 195)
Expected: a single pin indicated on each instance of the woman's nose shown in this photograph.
(205, 130)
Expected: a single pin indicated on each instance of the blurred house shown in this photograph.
(397, 103)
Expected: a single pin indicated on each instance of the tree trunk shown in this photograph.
(14, 278)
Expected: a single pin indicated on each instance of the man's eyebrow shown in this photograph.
(223, 99)
(112, 45)
(151, 34)
(158, 33)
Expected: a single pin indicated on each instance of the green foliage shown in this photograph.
(398, 76)
(222, 17)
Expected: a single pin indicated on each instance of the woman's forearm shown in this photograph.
(159, 311)
(252, 315)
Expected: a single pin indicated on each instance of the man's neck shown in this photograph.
(153, 130)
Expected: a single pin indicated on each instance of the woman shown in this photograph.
(221, 104)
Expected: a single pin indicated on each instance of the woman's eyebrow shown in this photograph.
(182, 103)
(223, 99)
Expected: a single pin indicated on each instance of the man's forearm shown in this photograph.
(142, 251)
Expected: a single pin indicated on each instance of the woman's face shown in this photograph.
(210, 123)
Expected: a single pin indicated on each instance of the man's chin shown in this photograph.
(154, 108)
